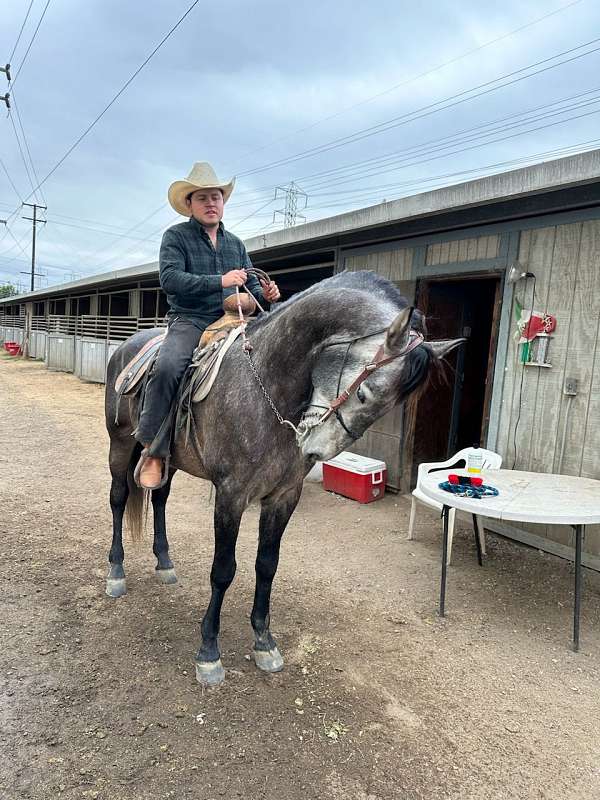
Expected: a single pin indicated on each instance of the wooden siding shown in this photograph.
(566, 262)
(396, 265)
(474, 249)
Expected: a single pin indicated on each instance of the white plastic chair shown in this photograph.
(490, 459)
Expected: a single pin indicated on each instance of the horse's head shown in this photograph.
(378, 370)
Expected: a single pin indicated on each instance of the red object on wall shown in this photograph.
(357, 477)
(14, 348)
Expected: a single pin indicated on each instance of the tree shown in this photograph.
(7, 290)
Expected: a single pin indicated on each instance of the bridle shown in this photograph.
(379, 360)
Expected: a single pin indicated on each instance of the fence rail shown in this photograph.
(79, 344)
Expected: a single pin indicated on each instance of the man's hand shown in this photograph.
(235, 277)
(270, 291)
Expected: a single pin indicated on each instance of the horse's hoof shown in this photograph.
(166, 575)
(268, 660)
(210, 673)
(116, 587)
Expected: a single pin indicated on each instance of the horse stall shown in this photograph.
(97, 339)
(38, 338)
(60, 354)
(12, 322)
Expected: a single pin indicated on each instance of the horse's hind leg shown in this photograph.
(165, 571)
(274, 517)
(120, 457)
(115, 580)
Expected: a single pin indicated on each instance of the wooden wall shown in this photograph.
(462, 250)
(566, 262)
(565, 259)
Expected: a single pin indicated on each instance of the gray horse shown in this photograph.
(305, 353)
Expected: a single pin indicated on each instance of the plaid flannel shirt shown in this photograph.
(190, 270)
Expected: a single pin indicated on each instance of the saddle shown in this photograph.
(201, 373)
(196, 383)
(133, 372)
(129, 377)
(141, 364)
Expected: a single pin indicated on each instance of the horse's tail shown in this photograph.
(136, 510)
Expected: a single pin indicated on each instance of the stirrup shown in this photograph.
(144, 455)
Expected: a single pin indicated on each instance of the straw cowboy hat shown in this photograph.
(202, 176)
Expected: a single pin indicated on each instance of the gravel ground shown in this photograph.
(380, 699)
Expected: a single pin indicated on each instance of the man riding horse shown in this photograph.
(200, 265)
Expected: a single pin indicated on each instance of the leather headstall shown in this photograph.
(378, 361)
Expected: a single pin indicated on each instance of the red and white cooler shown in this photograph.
(357, 477)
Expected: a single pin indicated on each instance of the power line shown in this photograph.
(353, 165)
(239, 222)
(389, 163)
(363, 168)
(99, 230)
(427, 110)
(442, 179)
(21, 152)
(20, 32)
(414, 78)
(12, 183)
(35, 175)
(323, 148)
(118, 94)
(24, 59)
(493, 141)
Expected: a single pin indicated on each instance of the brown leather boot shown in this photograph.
(150, 472)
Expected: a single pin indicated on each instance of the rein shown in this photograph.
(304, 428)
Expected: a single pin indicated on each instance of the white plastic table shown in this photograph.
(524, 497)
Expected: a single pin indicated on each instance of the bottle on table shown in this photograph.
(475, 460)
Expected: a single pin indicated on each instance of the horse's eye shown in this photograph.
(360, 394)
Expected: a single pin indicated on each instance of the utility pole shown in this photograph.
(35, 222)
(290, 212)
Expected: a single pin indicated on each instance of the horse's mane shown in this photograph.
(365, 281)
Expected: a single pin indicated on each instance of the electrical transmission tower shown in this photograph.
(290, 212)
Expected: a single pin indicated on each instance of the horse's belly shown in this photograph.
(188, 460)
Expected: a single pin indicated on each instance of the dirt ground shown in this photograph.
(380, 699)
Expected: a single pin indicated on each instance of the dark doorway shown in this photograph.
(453, 412)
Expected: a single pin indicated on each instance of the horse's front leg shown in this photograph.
(274, 517)
(165, 572)
(228, 514)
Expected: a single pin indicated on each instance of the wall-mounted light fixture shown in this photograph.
(517, 272)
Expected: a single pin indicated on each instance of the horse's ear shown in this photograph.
(398, 332)
(444, 346)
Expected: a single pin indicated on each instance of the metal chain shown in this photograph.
(299, 432)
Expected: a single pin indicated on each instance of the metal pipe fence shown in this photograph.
(79, 344)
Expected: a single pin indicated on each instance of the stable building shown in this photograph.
(478, 258)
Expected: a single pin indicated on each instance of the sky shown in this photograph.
(352, 106)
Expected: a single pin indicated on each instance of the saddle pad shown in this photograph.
(131, 374)
(207, 370)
